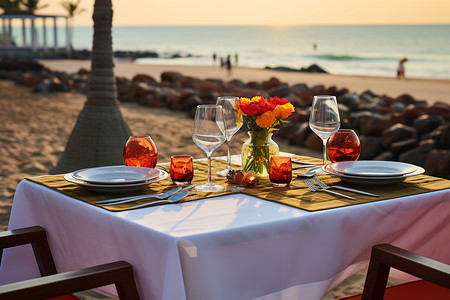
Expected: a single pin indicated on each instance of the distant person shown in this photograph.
(401, 68)
(314, 46)
(222, 62)
(214, 58)
(228, 62)
(236, 58)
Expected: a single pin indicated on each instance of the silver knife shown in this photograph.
(171, 200)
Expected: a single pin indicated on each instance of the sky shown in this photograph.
(257, 12)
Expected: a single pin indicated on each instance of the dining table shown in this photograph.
(271, 243)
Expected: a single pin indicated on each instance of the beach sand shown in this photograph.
(431, 90)
(36, 127)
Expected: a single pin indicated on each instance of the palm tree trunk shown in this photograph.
(100, 132)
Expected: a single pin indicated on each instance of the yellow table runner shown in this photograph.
(296, 195)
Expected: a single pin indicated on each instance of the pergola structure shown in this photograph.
(29, 24)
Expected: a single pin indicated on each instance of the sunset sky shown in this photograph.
(256, 12)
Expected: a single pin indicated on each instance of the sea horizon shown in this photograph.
(367, 50)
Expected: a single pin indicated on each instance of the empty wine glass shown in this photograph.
(324, 119)
(231, 127)
(208, 133)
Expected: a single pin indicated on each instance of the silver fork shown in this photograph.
(324, 186)
(313, 188)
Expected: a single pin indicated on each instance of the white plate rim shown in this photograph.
(68, 177)
(418, 171)
(136, 170)
(409, 168)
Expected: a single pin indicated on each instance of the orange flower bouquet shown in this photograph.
(261, 117)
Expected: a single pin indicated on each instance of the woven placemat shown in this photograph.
(296, 195)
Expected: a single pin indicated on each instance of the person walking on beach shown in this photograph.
(214, 58)
(401, 68)
(228, 63)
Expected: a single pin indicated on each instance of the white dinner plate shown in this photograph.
(116, 175)
(115, 188)
(373, 168)
(373, 180)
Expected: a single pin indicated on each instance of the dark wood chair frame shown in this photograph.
(385, 256)
(52, 284)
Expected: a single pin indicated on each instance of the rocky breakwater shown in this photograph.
(401, 129)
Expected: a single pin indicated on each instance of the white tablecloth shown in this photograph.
(229, 247)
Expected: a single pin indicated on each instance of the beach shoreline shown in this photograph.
(429, 90)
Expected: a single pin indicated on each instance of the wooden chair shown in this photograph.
(52, 284)
(434, 286)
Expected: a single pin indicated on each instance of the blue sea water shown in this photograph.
(353, 50)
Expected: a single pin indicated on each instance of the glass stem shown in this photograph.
(209, 170)
(324, 141)
(229, 154)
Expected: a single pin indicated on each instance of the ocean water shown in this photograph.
(353, 50)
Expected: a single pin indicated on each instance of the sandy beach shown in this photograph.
(431, 90)
(36, 127)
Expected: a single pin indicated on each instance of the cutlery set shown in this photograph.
(313, 188)
(308, 177)
(325, 187)
(173, 196)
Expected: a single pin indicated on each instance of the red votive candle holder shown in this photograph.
(280, 173)
(140, 151)
(181, 169)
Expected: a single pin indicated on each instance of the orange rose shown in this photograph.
(266, 120)
(283, 111)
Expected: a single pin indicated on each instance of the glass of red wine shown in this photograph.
(344, 145)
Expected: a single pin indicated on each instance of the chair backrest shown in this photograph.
(37, 237)
(385, 256)
(51, 284)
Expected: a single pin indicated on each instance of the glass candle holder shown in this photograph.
(344, 145)
(140, 151)
(280, 173)
(181, 169)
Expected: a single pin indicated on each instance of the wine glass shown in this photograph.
(208, 133)
(344, 145)
(324, 119)
(231, 127)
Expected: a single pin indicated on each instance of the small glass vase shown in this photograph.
(256, 152)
